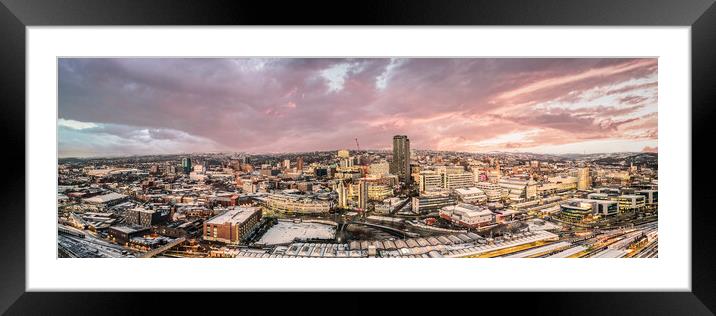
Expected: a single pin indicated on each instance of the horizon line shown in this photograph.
(351, 150)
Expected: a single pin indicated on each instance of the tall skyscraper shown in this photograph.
(186, 165)
(401, 158)
(363, 195)
(342, 195)
(584, 180)
(299, 163)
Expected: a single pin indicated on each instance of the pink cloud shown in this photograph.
(285, 104)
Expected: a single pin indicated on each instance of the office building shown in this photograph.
(492, 191)
(459, 180)
(598, 196)
(379, 168)
(401, 158)
(123, 234)
(379, 192)
(579, 209)
(342, 194)
(518, 189)
(651, 197)
(345, 162)
(471, 195)
(390, 205)
(363, 195)
(301, 204)
(232, 226)
(584, 180)
(186, 164)
(575, 211)
(343, 153)
(467, 215)
(143, 217)
(433, 202)
(631, 202)
(430, 181)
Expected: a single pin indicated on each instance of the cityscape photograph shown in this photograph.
(357, 158)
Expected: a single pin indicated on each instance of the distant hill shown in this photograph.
(641, 159)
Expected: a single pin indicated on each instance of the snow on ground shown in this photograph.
(286, 231)
(538, 224)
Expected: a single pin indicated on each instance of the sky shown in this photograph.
(141, 106)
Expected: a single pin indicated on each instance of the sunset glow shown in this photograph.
(549, 105)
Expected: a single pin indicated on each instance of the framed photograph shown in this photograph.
(483, 147)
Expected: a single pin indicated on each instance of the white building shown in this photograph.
(471, 195)
(430, 181)
(518, 189)
(467, 215)
(492, 190)
(459, 180)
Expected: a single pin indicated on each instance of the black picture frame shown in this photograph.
(700, 15)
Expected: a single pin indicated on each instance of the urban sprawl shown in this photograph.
(358, 204)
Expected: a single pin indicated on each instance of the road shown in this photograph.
(164, 248)
(90, 247)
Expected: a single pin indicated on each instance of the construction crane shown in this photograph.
(357, 145)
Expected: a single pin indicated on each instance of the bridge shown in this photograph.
(393, 230)
(164, 248)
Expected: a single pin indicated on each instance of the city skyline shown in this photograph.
(124, 107)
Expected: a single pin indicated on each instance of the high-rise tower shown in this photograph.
(584, 180)
(363, 195)
(401, 158)
(342, 195)
(186, 164)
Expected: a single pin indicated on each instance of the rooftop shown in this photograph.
(234, 216)
(105, 198)
(127, 229)
(467, 209)
(472, 190)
